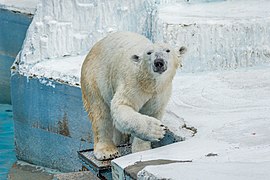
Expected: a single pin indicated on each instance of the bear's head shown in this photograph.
(160, 58)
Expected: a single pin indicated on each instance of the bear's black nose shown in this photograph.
(159, 65)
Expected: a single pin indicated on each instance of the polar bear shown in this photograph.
(126, 82)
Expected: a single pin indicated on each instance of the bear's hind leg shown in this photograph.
(102, 127)
(140, 145)
(119, 138)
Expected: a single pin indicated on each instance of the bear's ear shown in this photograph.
(135, 58)
(182, 50)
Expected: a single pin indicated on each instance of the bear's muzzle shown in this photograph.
(159, 66)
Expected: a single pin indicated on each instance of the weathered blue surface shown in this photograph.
(5, 64)
(7, 152)
(50, 123)
(13, 27)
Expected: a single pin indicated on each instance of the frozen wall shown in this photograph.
(68, 28)
(218, 36)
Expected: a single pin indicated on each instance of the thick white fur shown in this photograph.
(123, 95)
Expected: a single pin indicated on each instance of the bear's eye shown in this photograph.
(168, 51)
(149, 53)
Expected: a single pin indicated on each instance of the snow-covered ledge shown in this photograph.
(22, 6)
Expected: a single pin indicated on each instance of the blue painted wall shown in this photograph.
(50, 124)
(13, 27)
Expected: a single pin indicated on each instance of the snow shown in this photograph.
(24, 6)
(231, 112)
(217, 11)
(67, 69)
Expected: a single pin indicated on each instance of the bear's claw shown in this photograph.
(151, 130)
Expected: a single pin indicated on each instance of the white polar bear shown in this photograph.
(126, 82)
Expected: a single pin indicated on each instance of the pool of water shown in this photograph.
(7, 148)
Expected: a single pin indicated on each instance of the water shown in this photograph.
(7, 148)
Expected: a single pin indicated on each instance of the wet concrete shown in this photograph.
(133, 170)
(83, 175)
(24, 171)
(51, 119)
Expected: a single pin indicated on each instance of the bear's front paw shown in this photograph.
(104, 151)
(153, 130)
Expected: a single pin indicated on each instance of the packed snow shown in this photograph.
(67, 69)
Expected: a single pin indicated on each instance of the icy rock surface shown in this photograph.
(69, 28)
(218, 35)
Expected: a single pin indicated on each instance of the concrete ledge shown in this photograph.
(84, 175)
(25, 171)
(50, 122)
(221, 171)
